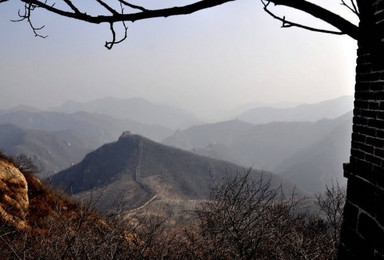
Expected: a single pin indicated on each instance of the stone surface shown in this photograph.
(14, 200)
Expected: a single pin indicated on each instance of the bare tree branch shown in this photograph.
(116, 17)
(319, 12)
(353, 8)
(73, 7)
(28, 8)
(109, 45)
(142, 13)
(113, 11)
(133, 6)
(287, 24)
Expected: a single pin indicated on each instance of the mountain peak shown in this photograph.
(125, 134)
(134, 170)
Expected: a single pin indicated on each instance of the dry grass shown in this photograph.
(233, 225)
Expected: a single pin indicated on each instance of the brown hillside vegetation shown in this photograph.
(14, 201)
(38, 222)
(242, 219)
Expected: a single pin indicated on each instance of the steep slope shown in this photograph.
(50, 151)
(313, 167)
(137, 109)
(103, 127)
(261, 146)
(308, 112)
(134, 170)
(14, 201)
(38, 222)
(29, 204)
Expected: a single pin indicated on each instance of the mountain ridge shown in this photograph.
(137, 109)
(135, 169)
(329, 109)
(263, 146)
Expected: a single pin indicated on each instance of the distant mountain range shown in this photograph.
(50, 151)
(263, 146)
(55, 140)
(104, 127)
(307, 152)
(320, 164)
(229, 114)
(134, 170)
(275, 147)
(302, 113)
(137, 109)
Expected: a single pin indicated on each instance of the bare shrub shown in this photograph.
(60, 228)
(249, 219)
(244, 218)
(25, 164)
(331, 205)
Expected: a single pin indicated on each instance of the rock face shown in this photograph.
(14, 202)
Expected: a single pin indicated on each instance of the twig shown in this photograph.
(287, 24)
(340, 23)
(28, 8)
(73, 7)
(353, 9)
(133, 6)
(10, 247)
(109, 45)
(113, 11)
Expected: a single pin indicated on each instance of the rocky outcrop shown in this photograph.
(14, 202)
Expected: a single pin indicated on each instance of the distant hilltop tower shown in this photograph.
(125, 134)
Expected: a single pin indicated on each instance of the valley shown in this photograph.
(153, 164)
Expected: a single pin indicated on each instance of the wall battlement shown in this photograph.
(362, 234)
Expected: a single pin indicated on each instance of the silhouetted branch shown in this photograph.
(110, 9)
(133, 6)
(110, 44)
(115, 15)
(142, 13)
(327, 16)
(287, 24)
(28, 8)
(353, 8)
(70, 4)
(132, 17)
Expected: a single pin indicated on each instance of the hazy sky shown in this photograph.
(215, 59)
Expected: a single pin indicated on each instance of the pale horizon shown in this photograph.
(216, 59)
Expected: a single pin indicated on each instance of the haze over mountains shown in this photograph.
(62, 139)
(292, 142)
(320, 164)
(134, 169)
(50, 151)
(264, 146)
(306, 112)
(105, 128)
(137, 109)
(296, 150)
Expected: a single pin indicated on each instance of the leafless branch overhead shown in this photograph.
(288, 24)
(327, 16)
(25, 15)
(352, 7)
(141, 13)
